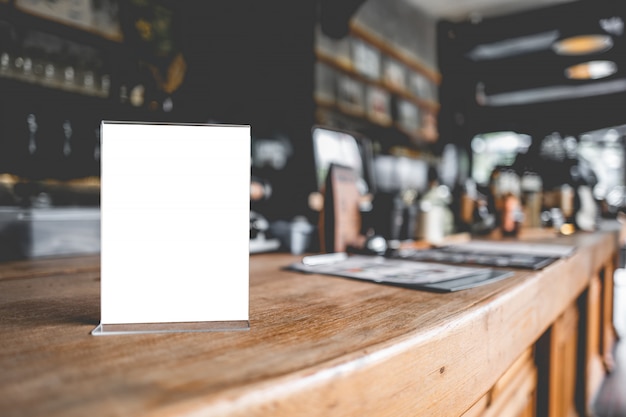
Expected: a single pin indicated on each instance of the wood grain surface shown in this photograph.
(317, 345)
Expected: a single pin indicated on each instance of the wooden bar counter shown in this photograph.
(535, 343)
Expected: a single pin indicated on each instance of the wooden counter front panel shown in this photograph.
(563, 364)
(593, 368)
(514, 395)
(609, 334)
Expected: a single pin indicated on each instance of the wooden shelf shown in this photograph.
(55, 84)
(341, 66)
(62, 17)
(368, 70)
(418, 136)
(359, 31)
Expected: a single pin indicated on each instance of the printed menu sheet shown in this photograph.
(525, 255)
(406, 273)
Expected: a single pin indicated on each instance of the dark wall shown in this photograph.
(251, 63)
(469, 82)
(247, 62)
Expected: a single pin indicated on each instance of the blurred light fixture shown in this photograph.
(591, 70)
(583, 45)
(514, 46)
(556, 92)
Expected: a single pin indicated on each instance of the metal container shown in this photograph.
(54, 231)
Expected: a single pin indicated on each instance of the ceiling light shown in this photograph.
(591, 70)
(583, 45)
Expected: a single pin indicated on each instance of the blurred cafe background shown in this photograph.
(444, 113)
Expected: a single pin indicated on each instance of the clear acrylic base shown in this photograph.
(190, 327)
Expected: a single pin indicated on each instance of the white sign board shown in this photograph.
(175, 212)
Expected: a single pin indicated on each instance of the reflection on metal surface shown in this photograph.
(603, 149)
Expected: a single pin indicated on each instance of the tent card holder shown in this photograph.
(175, 208)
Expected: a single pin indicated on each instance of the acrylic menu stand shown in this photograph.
(174, 228)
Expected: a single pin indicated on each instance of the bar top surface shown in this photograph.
(317, 345)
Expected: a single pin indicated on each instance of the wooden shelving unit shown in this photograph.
(378, 84)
